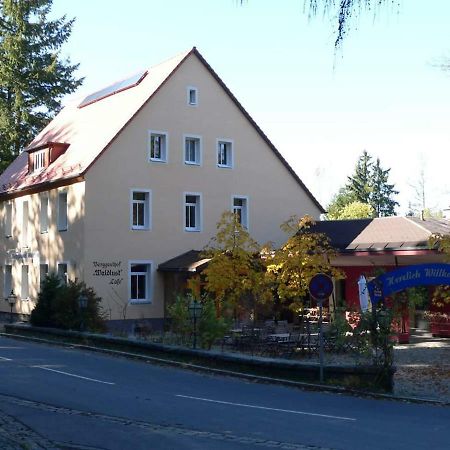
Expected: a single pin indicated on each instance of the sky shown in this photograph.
(383, 91)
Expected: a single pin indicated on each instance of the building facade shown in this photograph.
(134, 175)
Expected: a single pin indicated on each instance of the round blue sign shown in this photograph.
(321, 286)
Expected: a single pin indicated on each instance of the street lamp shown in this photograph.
(195, 311)
(11, 299)
(82, 304)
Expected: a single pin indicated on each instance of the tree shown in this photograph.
(381, 197)
(360, 183)
(355, 210)
(304, 254)
(367, 186)
(345, 11)
(343, 198)
(236, 270)
(33, 76)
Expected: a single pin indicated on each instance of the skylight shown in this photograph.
(115, 88)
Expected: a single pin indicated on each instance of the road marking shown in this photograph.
(267, 408)
(72, 375)
(15, 348)
(2, 358)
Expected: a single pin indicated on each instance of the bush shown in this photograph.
(58, 306)
(209, 327)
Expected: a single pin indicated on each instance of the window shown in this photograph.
(24, 285)
(240, 209)
(62, 272)
(38, 160)
(62, 211)
(43, 217)
(192, 212)
(140, 209)
(139, 281)
(158, 146)
(25, 220)
(43, 272)
(192, 150)
(7, 281)
(225, 154)
(8, 220)
(192, 96)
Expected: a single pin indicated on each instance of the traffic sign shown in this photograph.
(321, 286)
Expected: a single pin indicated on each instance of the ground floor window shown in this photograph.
(140, 281)
(24, 293)
(7, 278)
(43, 272)
(62, 272)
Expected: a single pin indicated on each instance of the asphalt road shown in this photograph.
(94, 401)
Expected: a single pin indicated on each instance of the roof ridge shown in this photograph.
(418, 225)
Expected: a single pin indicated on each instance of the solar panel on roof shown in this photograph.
(115, 88)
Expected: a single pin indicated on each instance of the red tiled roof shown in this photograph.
(89, 131)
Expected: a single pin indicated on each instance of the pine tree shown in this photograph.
(382, 192)
(33, 76)
(360, 184)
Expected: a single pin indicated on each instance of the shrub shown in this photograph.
(58, 306)
(209, 326)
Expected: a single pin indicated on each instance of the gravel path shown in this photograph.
(423, 368)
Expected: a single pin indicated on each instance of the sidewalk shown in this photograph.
(16, 436)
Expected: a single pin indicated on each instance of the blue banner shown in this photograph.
(411, 276)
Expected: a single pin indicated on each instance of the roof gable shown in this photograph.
(88, 129)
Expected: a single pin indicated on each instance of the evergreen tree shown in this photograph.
(382, 192)
(33, 76)
(360, 184)
(367, 194)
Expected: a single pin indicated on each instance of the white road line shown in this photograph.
(266, 408)
(2, 358)
(72, 375)
(15, 348)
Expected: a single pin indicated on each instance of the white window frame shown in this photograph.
(8, 219)
(199, 149)
(41, 278)
(25, 282)
(231, 156)
(63, 221)
(25, 223)
(244, 213)
(198, 212)
(147, 211)
(60, 263)
(149, 284)
(188, 96)
(39, 160)
(43, 213)
(165, 153)
(7, 280)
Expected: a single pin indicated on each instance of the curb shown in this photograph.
(205, 369)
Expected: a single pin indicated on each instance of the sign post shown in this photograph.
(321, 287)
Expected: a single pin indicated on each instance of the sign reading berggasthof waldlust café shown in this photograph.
(111, 270)
(407, 277)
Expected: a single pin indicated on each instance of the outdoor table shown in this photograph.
(278, 337)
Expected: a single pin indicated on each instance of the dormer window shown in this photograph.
(38, 160)
(41, 157)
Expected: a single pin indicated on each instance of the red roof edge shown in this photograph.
(138, 111)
